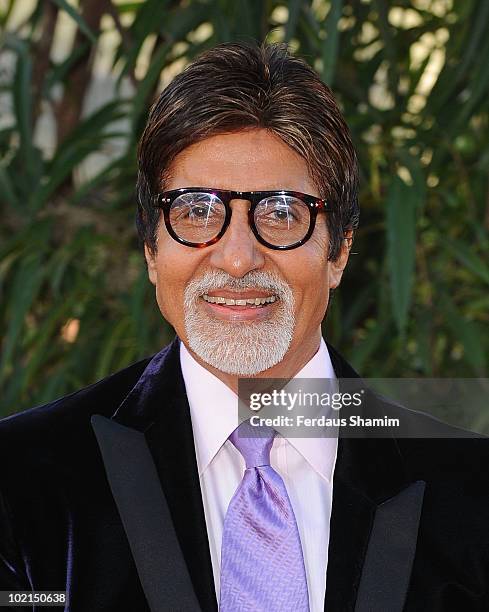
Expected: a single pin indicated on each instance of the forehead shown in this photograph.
(246, 160)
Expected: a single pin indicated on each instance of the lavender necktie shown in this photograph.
(262, 567)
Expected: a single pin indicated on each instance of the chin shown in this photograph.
(239, 349)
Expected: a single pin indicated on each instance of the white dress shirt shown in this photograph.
(305, 464)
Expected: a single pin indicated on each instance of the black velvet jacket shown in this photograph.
(82, 509)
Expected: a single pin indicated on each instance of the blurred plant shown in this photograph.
(75, 303)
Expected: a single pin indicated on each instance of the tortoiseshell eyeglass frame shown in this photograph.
(165, 199)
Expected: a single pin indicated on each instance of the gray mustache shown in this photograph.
(264, 281)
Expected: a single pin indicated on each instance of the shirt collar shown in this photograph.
(214, 406)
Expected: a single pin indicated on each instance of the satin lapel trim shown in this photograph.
(145, 515)
(390, 554)
(158, 406)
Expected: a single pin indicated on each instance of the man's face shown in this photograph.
(250, 339)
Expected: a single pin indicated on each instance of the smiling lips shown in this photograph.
(246, 301)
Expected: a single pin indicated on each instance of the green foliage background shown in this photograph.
(412, 78)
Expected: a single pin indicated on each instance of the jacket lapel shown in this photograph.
(390, 554)
(147, 523)
(157, 407)
(374, 521)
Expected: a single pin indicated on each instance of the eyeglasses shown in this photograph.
(199, 216)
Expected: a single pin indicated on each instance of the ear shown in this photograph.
(336, 267)
(150, 257)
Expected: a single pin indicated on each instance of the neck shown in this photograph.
(291, 364)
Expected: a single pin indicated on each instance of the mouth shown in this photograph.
(239, 306)
(246, 302)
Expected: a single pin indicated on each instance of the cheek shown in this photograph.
(166, 285)
(177, 266)
(316, 266)
(306, 271)
(315, 280)
(162, 297)
(319, 241)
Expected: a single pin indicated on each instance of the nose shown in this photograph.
(238, 251)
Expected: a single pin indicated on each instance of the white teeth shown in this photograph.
(230, 302)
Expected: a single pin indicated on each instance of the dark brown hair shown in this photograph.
(237, 86)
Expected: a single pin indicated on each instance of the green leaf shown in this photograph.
(467, 257)
(330, 45)
(390, 47)
(61, 70)
(401, 236)
(44, 343)
(362, 351)
(22, 98)
(110, 346)
(144, 24)
(250, 16)
(467, 333)
(6, 10)
(25, 287)
(85, 139)
(80, 22)
(7, 193)
(466, 39)
(148, 83)
(294, 7)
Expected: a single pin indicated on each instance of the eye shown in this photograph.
(200, 211)
(197, 208)
(281, 210)
(281, 213)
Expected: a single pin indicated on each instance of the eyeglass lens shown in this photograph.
(280, 220)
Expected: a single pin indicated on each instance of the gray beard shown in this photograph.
(241, 348)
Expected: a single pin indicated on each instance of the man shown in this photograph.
(132, 494)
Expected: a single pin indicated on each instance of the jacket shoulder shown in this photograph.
(433, 449)
(68, 416)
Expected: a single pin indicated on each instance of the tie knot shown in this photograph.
(254, 443)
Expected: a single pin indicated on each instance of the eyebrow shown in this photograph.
(210, 187)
